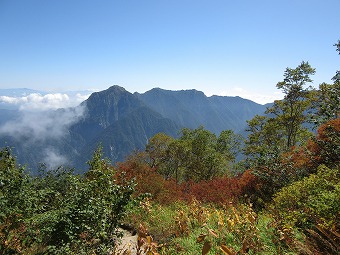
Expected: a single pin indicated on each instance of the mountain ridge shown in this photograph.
(122, 122)
(192, 108)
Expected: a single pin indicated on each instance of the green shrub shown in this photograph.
(313, 200)
(312, 205)
(59, 212)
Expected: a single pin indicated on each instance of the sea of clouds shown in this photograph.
(39, 102)
(44, 118)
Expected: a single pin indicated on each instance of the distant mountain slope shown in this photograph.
(118, 120)
(7, 115)
(114, 118)
(131, 133)
(191, 108)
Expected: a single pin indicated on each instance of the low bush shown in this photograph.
(313, 205)
(59, 212)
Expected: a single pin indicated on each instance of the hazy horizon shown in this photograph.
(39, 100)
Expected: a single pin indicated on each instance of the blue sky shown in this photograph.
(220, 47)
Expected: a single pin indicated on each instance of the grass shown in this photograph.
(186, 228)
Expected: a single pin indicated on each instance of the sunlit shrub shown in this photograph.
(313, 200)
(313, 205)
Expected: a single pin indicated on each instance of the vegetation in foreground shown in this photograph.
(188, 195)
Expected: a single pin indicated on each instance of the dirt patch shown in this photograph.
(128, 243)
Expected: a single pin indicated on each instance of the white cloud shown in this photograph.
(257, 97)
(38, 102)
(53, 159)
(42, 125)
(81, 97)
(9, 100)
(43, 120)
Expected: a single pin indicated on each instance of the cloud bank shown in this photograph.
(39, 102)
(37, 131)
(42, 125)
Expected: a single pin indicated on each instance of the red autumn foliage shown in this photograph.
(149, 181)
(249, 183)
(326, 130)
(217, 190)
(324, 148)
(224, 189)
(328, 143)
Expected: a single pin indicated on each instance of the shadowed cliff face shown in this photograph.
(110, 105)
(104, 109)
